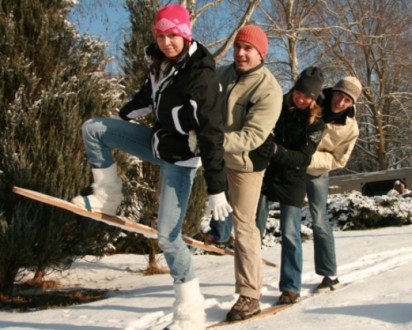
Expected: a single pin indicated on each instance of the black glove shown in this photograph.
(268, 150)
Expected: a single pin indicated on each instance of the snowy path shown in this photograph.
(375, 265)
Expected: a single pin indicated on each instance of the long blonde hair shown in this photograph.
(314, 108)
(315, 112)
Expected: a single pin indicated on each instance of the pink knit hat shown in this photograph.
(173, 19)
(254, 36)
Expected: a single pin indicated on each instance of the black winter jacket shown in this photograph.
(296, 140)
(187, 99)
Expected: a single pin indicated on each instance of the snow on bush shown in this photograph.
(350, 211)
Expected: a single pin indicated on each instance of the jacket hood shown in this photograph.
(199, 56)
(328, 115)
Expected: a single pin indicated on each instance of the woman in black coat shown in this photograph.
(296, 135)
(182, 91)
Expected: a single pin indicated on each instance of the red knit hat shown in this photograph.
(173, 19)
(254, 36)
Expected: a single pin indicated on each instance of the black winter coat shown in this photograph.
(188, 99)
(296, 140)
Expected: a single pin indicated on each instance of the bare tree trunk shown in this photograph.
(38, 277)
(7, 276)
(153, 267)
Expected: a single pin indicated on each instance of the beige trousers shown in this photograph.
(244, 191)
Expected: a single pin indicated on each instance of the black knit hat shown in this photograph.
(310, 82)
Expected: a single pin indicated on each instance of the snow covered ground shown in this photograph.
(374, 265)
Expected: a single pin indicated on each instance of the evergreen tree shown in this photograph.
(51, 81)
(142, 179)
(134, 67)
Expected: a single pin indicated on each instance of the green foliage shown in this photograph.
(51, 81)
(142, 14)
(141, 179)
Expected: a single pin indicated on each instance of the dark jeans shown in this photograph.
(317, 188)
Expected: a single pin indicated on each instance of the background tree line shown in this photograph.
(53, 79)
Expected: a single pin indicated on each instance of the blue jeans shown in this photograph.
(324, 242)
(262, 214)
(221, 230)
(291, 255)
(100, 136)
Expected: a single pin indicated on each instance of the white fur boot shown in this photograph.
(189, 309)
(107, 192)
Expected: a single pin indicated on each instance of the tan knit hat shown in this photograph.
(351, 86)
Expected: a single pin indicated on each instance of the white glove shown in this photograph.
(219, 206)
(193, 142)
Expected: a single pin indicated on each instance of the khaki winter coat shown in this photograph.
(335, 147)
(254, 101)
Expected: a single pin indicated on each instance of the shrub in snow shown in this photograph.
(355, 211)
(350, 211)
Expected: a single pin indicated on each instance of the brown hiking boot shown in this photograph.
(244, 308)
(288, 297)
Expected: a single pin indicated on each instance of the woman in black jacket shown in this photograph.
(184, 95)
(296, 135)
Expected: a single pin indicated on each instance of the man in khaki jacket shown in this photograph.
(337, 143)
(254, 100)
